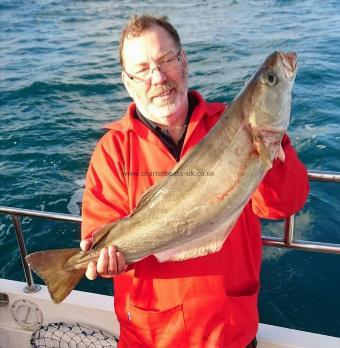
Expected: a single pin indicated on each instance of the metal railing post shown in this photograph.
(325, 176)
(30, 287)
(289, 230)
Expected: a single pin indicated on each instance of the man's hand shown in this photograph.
(110, 262)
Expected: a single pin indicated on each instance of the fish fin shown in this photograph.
(196, 248)
(207, 244)
(155, 188)
(101, 232)
(147, 196)
(49, 265)
(263, 152)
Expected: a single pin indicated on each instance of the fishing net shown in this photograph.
(73, 335)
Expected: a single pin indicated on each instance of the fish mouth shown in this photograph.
(289, 61)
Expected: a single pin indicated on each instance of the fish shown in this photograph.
(181, 216)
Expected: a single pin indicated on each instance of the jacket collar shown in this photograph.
(130, 123)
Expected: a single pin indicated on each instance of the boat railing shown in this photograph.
(287, 240)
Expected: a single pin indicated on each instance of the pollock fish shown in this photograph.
(180, 217)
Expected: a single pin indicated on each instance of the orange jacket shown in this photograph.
(209, 301)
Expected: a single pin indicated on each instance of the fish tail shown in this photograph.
(50, 266)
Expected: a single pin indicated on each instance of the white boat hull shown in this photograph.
(96, 311)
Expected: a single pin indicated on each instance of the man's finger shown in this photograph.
(121, 263)
(112, 265)
(103, 261)
(85, 244)
(281, 156)
(91, 271)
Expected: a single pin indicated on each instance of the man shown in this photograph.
(209, 301)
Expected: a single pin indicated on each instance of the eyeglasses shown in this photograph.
(166, 65)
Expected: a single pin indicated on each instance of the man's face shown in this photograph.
(162, 99)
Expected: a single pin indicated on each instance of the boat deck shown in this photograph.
(96, 311)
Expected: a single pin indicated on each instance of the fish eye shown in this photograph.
(269, 78)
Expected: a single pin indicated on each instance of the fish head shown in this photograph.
(267, 100)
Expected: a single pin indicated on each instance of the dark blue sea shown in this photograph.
(60, 83)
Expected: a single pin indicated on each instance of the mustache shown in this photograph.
(157, 90)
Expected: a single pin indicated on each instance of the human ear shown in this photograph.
(184, 63)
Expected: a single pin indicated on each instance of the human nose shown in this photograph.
(157, 76)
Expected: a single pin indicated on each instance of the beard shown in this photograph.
(161, 109)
